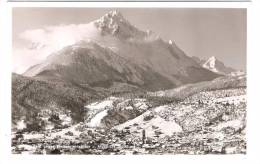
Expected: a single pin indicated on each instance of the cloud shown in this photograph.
(40, 43)
(60, 36)
(24, 58)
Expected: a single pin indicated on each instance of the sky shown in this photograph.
(201, 32)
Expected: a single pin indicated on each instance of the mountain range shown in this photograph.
(116, 58)
(117, 51)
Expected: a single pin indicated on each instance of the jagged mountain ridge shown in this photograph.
(113, 23)
(123, 53)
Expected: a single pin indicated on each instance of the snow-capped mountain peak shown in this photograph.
(115, 13)
(112, 17)
(114, 23)
(214, 65)
(211, 63)
(212, 59)
(113, 50)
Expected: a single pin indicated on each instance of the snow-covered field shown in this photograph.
(154, 124)
(98, 110)
(215, 120)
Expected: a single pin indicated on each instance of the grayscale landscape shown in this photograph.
(117, 89)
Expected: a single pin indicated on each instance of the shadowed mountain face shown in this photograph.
(89, 63)
(119, 52)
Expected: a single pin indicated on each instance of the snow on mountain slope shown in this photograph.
(98, 110)
(214, 65)
(218, 109)
(102, 105)
(154, 124)
(206, 107)
(211, 64)
(217, 66)
(101, 112)
(113, 23)
(96, 121)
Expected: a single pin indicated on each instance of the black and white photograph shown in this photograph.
(120, 81)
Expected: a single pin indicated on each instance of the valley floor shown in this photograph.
(209, 122)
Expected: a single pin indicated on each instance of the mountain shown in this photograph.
(214, 65)
(114, 59)
(217, 66)
(121, 90)
(90, 63)
(198, 60)
(117, 51)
